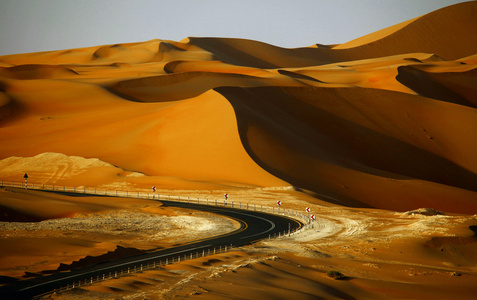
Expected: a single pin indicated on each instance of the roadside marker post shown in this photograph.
(153, 192)
(26, 180)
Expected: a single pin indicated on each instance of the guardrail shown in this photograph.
(153, 196)
(146, 195)
(136, 269)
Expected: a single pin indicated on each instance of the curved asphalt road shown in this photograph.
(255, 226)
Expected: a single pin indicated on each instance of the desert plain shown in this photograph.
(377, 136)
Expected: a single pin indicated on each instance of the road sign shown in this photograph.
(279, 203)
(26, 180)
(153, 188)
(226, 196)
(312, 217)
(308, 209)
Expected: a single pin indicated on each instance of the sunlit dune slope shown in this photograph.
(447, 32)
(388, 120)
(192, 139)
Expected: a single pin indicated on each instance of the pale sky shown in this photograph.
(42, 25)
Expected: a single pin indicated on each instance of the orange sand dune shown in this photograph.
(451, 86)
(384, 121)
(26, 72)
(447, 32)
(332, 134)
(186, 85)
(27, 206)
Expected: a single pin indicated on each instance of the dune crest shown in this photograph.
(374, 36)
(447, 32)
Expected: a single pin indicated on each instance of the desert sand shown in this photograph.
(376, 135)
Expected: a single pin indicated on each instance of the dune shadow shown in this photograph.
(289, 118)
(336, 292)
(297, 75)
(473, 228)
(177, 86)
(250, 53)
(76, 194)
(438, 85)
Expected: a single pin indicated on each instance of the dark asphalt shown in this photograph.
(255, 226)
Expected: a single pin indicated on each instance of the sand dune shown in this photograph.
(320, 124)
(450, 86)
(451, 36)
(446, 32)
(61, 170)
(182, 85)
(221, 111)
(26, 72)
(387, 121)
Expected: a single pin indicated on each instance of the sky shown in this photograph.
(44, 25)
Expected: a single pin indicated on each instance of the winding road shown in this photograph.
(255, 225)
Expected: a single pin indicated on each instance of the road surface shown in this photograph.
(254, 226)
